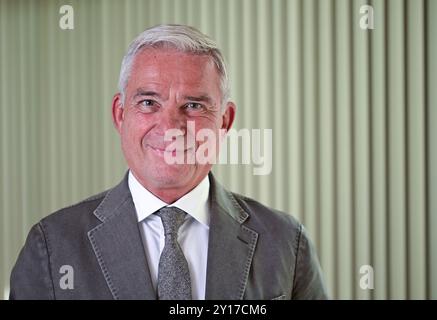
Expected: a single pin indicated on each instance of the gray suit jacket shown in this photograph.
(254, 252)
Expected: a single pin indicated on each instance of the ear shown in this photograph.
(228, 116)
(117, 112)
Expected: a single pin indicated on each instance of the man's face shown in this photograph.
(166, 90)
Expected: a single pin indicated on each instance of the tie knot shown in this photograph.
(172, 218)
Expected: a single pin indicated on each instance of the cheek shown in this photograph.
(133, 131)
(212, 122)
(138, 124)
(207, 132)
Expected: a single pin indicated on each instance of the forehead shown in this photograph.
(169, 67)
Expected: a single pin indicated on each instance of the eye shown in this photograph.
(148, 105)
(194, 106)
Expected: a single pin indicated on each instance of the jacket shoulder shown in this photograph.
(285, 238)
(59, 237)
(78, 214)
(269, 219)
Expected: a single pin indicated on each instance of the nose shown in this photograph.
(170, 118)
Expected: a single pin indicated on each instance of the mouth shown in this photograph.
(164, 151)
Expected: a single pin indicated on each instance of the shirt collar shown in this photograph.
(195, 202)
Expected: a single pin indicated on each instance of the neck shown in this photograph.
(169, 194)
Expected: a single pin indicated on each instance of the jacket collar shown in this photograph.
(231, 246)
(118, 246)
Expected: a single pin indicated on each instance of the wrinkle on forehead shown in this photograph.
(170, 70)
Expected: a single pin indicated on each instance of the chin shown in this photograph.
(169, 175)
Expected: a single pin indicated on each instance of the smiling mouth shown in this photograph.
(162, 151)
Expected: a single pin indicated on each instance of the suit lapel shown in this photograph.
(118, 246)
(231, 246)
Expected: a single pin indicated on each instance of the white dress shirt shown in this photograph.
(192, 237)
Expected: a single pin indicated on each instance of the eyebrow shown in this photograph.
(201, 98)
(142, 92)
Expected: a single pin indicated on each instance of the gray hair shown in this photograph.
(180, 37)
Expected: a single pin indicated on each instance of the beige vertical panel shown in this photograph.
(141, 16)
(79, 102)
(99, 106)
(71, 126)
(225, 41)
(396, 150)
(66, 107)
(344, 234)
(326, 138)
(13, 202)
(431, 115)
(264, 88)
(166, 11)
(113, 48)
(415, 126)
(205, 18)
(51, 114)
(130, 14)
(310, 119)
(22, 120)
(235, 59)
(107, 82)
(226, 173)
(360, 149)
(21, 131)
(378, 142)
(8, 247)
(151, 17)
(294, 108)
(247, 110)
(279, 107)
(180, 9)
(41, 105)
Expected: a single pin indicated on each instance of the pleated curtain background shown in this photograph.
(352, 112)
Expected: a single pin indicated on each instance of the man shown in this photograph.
(168, 230)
